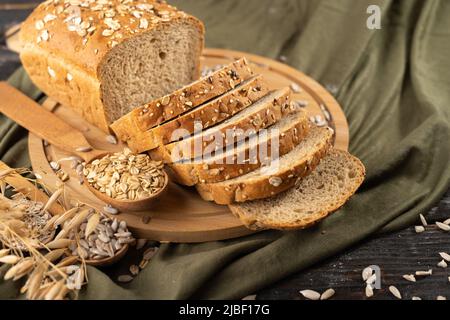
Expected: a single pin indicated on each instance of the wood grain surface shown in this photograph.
(395, 253)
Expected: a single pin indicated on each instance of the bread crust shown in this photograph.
(66, 64)
(273, 111)
(227, 193)
(254, 224)
(208, 114)
(206, 171)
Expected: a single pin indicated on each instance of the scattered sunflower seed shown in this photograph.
(55, 165)
(416, 298)
(111, 210)
(442, 264)
(395, 292)
(310, 294)
(372, 279)
(111, 139)
(409, 277)
(445, 256)
(134, 270)
(250, 297)
(443, 226)
(447, 222)
(419, 229)
(424, 273)
(423, 220)
(369, 291)
(295, 87)
(327, 294)
(366, 273)
(83, 149)
(441, 298)
(124, 278)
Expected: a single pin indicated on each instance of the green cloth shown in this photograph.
(393, 85)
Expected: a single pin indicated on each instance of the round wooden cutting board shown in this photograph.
(181, 215)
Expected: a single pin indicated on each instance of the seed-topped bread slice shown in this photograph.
(262, 114)
(321, 193)
(186, 98)
(208, 114)
(269, 181)
(247, 156)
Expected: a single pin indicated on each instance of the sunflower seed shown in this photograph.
(445, 256)
(424, 273)
(146, 219)
(442, 264)
(372, 279)
(83, 149)
(423, 220)
(366, 273)
(448, 279)
(441, 298)
(443, 226)
(419, 229)
(369, 291)
(109, 209)
(327, 294)
(310, 294)
(409, 277)
(111, 139)
(149, 253)
(55, 165)
(395, 292)
(143, 264)
(416, 298)
(125, 278)
(447, 222)
(134, 270)
(295, 87)
(250, 297)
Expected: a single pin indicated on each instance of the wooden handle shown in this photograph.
(28, 189)
(33, 117)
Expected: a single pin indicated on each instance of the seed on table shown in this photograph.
(327, 294)
(369, 291)
(372, 279)
(424, 273)
(55, 165)
(447, 222)
(143, 264)
(409, 277)
(442, 264)
(109, 209)
(445, 256)
(134, 270)
(443, 226)
(395, 292)
(423, 220)
(419, 229)
(416, 298)
(310, 294)
(366, 273)
(250, 297)
(124, 278)
(441, 298)
(149, 253)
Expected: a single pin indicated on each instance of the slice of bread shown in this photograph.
(184, 99)
(208, 114)
(247, 156)
(321, 193)
(268, 181)
(262, 114)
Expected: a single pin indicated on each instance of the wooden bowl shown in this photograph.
(130, 205)
(109, 260)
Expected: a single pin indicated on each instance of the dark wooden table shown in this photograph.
(396, 254)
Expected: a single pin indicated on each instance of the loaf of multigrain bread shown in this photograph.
(105, 58)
